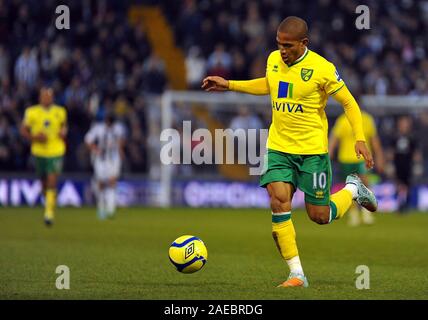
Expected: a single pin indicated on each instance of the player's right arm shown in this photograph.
(257, 86)
(25, 129)
(64, 128)
(90, 139)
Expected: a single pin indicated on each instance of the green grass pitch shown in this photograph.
(127, 258)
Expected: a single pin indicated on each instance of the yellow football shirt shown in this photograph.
(343, 132)
(49, 121)
(299, 94)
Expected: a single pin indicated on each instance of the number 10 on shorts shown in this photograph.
(319, 180)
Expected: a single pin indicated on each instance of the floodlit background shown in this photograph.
(144, 61)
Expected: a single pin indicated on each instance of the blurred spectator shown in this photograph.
(195, 68)
(422, 134)
(219, 62)
(245, 120)
(4, 63)
(388, 59)
(5, 143)
(253, 26)
(75, 95)
(153, 75)
(27, 68)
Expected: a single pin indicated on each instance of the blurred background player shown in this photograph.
(45, 126)
(106, 143)
(404, 153)
(343, 138)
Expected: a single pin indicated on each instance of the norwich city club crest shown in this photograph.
(306, 74)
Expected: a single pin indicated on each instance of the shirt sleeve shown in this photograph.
(332, 80)
(28, 118)
(121, 131)
(90, 137)
(372, 131)
(257, 86)
(352, 112)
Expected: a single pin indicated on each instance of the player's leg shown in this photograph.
(402, 195)
(50, 197)
(40, 166)
(53, 170)
(110, 193)
(113, 170)
(403, 186)
(100, 188)
(101, 199)
(279, 179)
(314, 179)
(354, 215)
(283, 232)
(366, 216)
(354, 211)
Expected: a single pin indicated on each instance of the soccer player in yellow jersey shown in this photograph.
(343, 138)
(45, 126)
(299, 82)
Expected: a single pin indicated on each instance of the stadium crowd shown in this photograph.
(105, 64)
(233, 39)
(100, 64)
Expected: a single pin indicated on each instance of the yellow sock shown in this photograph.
(354, 215)
(340, 203)
(50, 201)
(284, 235)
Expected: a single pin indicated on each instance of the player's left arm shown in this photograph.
(353, 114)
(63, 127)
(334, 86)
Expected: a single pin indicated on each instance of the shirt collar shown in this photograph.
(300, 58)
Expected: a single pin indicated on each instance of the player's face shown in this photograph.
(290, 48)
(404, 125)
(46, 97)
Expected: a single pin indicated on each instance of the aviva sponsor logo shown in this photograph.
(290, 107)
(285, 90)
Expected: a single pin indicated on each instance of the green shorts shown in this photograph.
(348, 168)
(309, 173)
(47, 165)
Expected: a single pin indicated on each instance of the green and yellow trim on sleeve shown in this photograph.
(335, 91)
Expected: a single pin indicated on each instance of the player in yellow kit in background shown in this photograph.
(299, 82)
(45, 126)
(343, 138)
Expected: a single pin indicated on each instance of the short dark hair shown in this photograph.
(295, 26)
